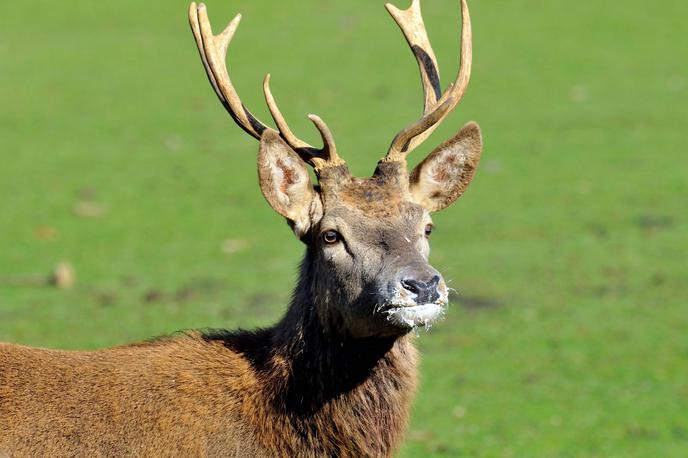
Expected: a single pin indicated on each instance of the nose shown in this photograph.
(425, 291)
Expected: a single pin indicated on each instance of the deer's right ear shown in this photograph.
(285, 183)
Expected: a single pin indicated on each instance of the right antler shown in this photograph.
(437, 105)
(213, 51)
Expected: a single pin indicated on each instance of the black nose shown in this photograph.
(426, 292)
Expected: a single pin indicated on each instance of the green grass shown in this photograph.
(570, 333)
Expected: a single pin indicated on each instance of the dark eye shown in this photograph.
(428, 230)
(331, 237)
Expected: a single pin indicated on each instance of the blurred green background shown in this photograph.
(569, 332)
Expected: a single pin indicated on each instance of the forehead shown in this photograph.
(375, 199)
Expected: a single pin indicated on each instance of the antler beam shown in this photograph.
(437, 104)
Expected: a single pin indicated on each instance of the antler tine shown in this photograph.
(329, 156)
(420, 128)
(213, 51)
(319, 158)
(282, 125)
(436, 107)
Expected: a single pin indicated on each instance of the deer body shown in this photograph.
(191, 396)
(335, 377)
(290, 390)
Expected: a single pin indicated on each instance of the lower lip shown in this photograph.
(415, 316)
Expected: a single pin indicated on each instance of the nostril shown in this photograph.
(412, 285)
(424, 292)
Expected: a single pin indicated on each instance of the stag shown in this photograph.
(336, 375)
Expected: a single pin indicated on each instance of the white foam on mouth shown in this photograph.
(415, 315)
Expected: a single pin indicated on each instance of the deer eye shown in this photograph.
(428, 230)
(331, 237)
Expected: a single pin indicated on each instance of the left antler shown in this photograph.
(213, 51)
(437, 105)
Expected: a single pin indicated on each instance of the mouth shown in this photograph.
(411, 316)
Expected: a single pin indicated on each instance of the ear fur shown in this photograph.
(445, 173)
(285, 183)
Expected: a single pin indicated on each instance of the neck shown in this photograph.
(330, 391)
(325, 366)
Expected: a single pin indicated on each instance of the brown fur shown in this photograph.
(291, 390)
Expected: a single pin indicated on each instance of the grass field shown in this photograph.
(569, 334)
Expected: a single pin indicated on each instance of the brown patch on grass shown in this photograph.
(152, 295)
(598, 230)
(652, 224)
(185, 294)
(107, 298)
(47, 233)
(261, 303)
(474, 301)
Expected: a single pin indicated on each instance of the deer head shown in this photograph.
(367, 238)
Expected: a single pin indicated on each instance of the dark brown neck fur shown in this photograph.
(324, 393)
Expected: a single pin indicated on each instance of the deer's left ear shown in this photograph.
(285, 183)
(444, 175)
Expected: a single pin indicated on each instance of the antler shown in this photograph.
(213, 51)
(437, 105)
